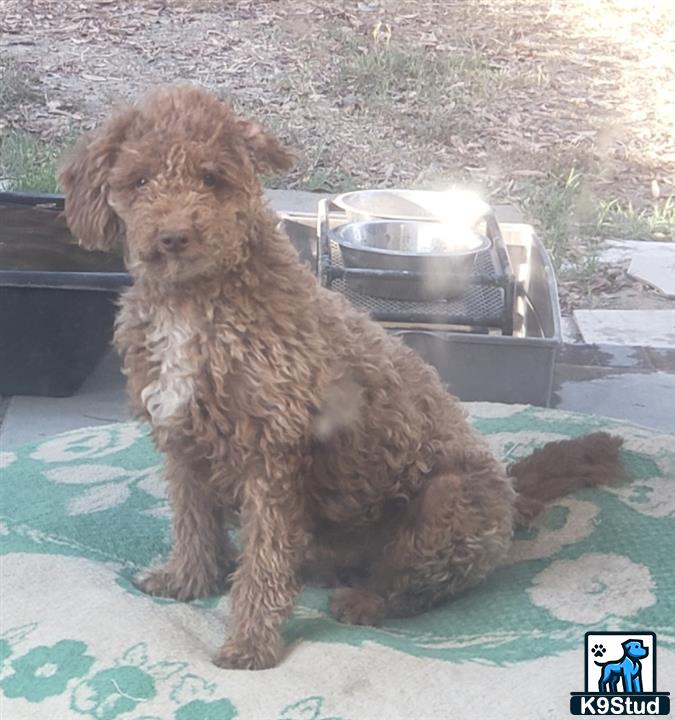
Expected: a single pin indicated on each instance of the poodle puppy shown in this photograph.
(278, 406)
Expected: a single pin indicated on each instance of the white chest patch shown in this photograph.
(170, 342)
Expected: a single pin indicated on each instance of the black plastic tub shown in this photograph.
(57, 301)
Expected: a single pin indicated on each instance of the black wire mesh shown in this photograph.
(479, 305)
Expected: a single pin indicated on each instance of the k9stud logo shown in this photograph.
(620, 671)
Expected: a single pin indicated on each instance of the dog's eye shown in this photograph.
(209, 180)
(141, 182)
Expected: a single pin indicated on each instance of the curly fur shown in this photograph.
(277, 405)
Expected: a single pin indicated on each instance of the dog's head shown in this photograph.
(635, 649)
(173, 179)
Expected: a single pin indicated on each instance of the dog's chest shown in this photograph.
(171, 346)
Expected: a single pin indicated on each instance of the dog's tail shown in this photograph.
(559, 468)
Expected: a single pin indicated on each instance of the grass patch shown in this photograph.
(28, 164)
(555, 206)
(422, 90)
(324, 179)
(313, 179)
(573, 224)
(19, 85)
(623, 221)
(385, 71)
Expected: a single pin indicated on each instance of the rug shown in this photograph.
(82, 512)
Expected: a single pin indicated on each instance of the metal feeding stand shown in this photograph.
(486, 305)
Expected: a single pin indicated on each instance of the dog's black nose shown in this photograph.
(174, 241)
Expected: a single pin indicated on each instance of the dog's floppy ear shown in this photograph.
(267, 153)
(83, 177)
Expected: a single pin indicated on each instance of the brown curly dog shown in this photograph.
(277, 405)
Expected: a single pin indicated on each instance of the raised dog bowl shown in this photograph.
(516, 368)
(433, 259)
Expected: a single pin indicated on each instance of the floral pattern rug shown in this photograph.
(82, 512)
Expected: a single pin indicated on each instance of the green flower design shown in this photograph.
(5, 651)
(202, 710)
(46, 670)
(309, 708)
(112, 692)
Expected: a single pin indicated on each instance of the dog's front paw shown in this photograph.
(166, 582)
(162, 582)
(244, 656)
(355, 606)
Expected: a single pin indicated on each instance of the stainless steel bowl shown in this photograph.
(421, 205)
(440, 258)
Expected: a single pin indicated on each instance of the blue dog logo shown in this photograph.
(626, 686)
(628, 669)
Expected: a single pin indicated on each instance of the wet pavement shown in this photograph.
(627, 383)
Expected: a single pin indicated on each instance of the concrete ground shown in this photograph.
(627, 383)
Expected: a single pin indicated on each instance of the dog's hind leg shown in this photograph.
(202, 555)
(446, 543)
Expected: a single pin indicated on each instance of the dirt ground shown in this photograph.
(502, 95)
